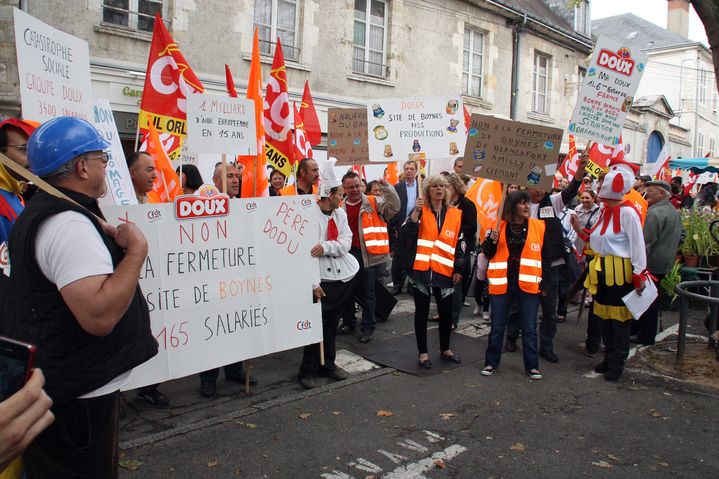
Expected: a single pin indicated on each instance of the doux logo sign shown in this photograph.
(190, 206)
(620, 62)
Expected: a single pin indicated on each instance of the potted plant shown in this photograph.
(698, 245)
(673, 278)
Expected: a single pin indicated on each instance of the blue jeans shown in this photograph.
(528, 306)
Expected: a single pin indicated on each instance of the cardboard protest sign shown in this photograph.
(221, 124)
(400, 127)
(608, 91)
(54, 71)
(120, 190)
(347, 136)
(512, 152)
(225, 280)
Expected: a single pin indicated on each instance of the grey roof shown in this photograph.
(646, 102)
(637, 31)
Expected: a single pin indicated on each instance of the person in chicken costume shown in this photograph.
(616, 243)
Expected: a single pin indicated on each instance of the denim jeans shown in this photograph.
(528, 306)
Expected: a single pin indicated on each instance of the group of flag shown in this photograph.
(163, 116)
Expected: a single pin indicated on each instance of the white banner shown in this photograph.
(422, 128)
(228, 287)
(221, 124)
(54, 70)
(608, 91)
(117, 177)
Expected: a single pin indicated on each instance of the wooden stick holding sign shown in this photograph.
(42, 184)
(224, 174)
(500, 211)
(322, 353)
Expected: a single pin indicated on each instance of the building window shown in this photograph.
(370, 27)
(540, 84)
(700, 144)
(277, 18)
(715, 100)
(703, 80)
(133, 14)
(472, 58)
(582, 18)
(712, 145)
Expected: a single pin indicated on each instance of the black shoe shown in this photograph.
(452, 358)
(366, 338)
(307, 382)
(549, 356)
(426, 364)
(396, 291)
(601, 368)
(338, 374)
(240, 378)
(511, 345)
(345, 330)
(153, 397)
(612, 376)
(561, 318)
(208, 389)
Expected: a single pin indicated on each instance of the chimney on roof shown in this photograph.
(678, 17)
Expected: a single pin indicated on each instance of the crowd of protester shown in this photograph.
(78, 277)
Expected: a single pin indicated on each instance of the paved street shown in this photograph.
(384, 423)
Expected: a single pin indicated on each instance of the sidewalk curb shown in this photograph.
(248, 411)
(653, 378)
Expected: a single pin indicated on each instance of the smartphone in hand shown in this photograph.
(16, 363)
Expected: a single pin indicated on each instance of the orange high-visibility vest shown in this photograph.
(374, 230)
(530, 263)
(291, 190)
(435, 249)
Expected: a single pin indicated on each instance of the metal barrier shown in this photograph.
(684, 297)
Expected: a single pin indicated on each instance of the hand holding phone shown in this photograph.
(16, 362)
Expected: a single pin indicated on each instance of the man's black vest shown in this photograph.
(553, 234)
(74, 362)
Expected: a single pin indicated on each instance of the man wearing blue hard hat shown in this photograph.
(77, 298)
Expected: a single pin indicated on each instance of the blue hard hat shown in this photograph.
(60, 140)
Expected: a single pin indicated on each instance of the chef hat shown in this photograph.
(618, 180)
(328, 178)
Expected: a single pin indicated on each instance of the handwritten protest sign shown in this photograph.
(347, 136)
(54, 71)
(512, 152)
(400, 127)
(216, 280)
(117, 177)
(608, 91)
(219, 124)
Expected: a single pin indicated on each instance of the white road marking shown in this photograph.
(412, 446)
(352, 363)
(365, 465)
(433, 436)
(414, 470)
(396, 458)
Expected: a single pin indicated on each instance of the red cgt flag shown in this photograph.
(230, 82)
(167, 186)
(277, 121)
(302, 146)
(168, 81)
(309, 117)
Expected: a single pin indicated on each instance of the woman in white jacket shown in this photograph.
(337, 268)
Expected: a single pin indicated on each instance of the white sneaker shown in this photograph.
(485, 316)
(465, 304)
(476, 311)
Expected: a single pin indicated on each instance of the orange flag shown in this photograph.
(392, 177)
(636, 199)
(168, 81)
(167, 186)
(255, 183)
(486, 196)
(309, 117)
(278, 120)
(302, 146)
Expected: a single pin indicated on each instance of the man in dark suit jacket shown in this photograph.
(407, 203)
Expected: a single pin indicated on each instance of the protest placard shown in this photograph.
(512, 152)
(216, 280)
(607, 92)
(117, 177)
(54, 71)
(220, 124)
(347, 136)
(400, 127)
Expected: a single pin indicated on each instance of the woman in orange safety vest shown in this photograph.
(517, 255)
(437, 265)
